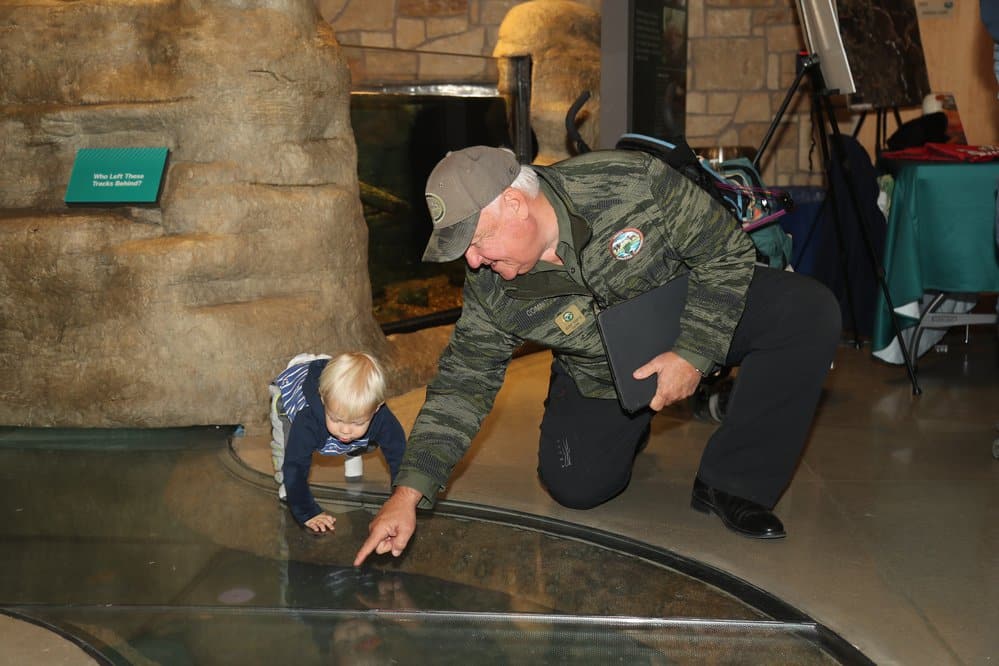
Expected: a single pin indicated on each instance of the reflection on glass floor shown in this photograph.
(159, 546)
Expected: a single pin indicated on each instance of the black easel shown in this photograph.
(808, 64)
(880, 129)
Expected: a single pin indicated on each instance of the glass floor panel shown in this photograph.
(160, 546)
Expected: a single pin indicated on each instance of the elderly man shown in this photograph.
(548, 246)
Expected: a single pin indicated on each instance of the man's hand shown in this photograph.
(676, 378)
(323, 522)
(392, 528)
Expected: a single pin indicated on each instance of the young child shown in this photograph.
(333, 406)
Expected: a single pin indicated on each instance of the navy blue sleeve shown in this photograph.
(391, 438)
(303, 439)
(990, 17)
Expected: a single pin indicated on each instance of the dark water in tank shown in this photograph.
(162, 547)
(400, 137)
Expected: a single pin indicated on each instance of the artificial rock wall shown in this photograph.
(563, 39)
(178, 314)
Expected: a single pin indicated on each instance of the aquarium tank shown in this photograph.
(408, 109)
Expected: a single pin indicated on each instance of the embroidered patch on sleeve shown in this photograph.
(626, 243)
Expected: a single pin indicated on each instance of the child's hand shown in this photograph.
(324, 522)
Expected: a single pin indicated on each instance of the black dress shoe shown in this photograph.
(740, 515)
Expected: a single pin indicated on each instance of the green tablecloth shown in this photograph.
(941, 237)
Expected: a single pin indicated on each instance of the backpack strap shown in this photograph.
(678, 154)
(772, 244)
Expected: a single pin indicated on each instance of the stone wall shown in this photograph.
(447, 26)
(741, 60)
(404, 44)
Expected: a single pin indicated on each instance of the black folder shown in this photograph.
(637, 330)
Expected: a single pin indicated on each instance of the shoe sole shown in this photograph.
(714, 409)
(703, 506)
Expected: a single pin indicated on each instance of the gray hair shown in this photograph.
(525, 182)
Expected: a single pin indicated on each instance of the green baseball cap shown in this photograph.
(459, 187)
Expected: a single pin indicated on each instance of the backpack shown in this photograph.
(738, 188)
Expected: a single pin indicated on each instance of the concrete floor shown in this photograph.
(893, 515)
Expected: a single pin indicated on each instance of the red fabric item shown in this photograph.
(945, 152)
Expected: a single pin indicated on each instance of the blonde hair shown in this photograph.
(354, 384)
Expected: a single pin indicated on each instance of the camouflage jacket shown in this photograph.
(627, 224)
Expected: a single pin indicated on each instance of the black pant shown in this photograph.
(783, 346)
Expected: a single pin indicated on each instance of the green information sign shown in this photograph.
(116, 175)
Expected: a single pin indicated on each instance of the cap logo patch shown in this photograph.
(626, 243)
(436, 207)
